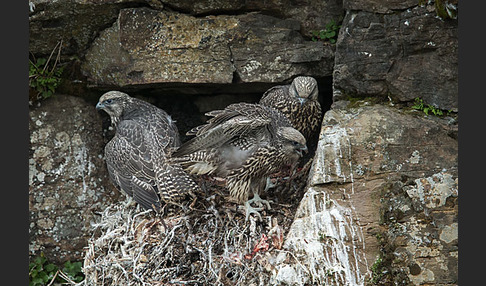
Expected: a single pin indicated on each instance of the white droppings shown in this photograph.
(336, 152)
(368, 54)
(415, 158)
(251, 66)
(323, 238)
(40, 176)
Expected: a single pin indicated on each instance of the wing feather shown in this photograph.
(237, 120)
(131, 163)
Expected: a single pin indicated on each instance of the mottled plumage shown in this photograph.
(243, 143)
(298, 101)
(137, 156)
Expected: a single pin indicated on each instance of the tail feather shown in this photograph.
(145, 194)
(174, 184)
(199, 163)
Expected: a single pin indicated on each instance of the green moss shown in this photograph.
(358, 101)
(443, 10)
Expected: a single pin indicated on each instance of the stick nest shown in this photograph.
(202, 242)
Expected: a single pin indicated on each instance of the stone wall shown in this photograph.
(383, 187)
(68, 180)
(408, 53)
(381, 201)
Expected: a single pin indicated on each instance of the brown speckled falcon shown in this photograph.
(137, 156)
(298, 101)
(243, 143)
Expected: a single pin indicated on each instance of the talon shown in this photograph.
(249, 210)
(259, 202)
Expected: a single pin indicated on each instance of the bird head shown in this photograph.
(113, 103)
(304, 88)
(293, 142)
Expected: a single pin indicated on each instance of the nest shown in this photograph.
(202, 242)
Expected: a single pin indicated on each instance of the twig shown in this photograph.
(53, 278)
(50, 56)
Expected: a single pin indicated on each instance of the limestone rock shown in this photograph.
(273, 50)
(205, 7)
(313, 15)
(404, 55)
(379, 6)
(75, 22)
(146, 47)
(68, 182)
(382, 178)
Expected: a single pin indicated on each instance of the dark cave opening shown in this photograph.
(188, 103)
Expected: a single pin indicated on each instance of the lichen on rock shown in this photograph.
(67, 179)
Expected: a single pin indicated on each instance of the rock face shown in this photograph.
(79, 22)
(382, 7)
(313, 15)
(404, 55)
(383, 187)
(381, 201)
(67, 177)
(146, 47)
(76, 23)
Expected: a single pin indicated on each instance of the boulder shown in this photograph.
(382, 192)
(147, 47)
(75, 22)
(311, 14)
(379, 6)
(68, 180)
(407, 54)
(268, 49)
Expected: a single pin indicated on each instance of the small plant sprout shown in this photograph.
(330, 33)
(45, 75)
(42, 272)
(427, 108)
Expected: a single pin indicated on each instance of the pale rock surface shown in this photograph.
(380, 175)
(147, 47)
(68, 181)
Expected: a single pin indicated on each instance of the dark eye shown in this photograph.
(109, 101)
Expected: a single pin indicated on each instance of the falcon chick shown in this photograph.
(298, 101)
(137, 155)
(243, 143)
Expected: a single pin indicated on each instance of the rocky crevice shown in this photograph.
(382, 196)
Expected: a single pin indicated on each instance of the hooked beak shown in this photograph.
(302, 150)
(100, 106)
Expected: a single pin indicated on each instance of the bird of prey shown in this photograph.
(298, 101)
(137, 157)
(244, 143)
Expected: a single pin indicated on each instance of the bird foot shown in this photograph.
(259, 202)
(251, 210)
